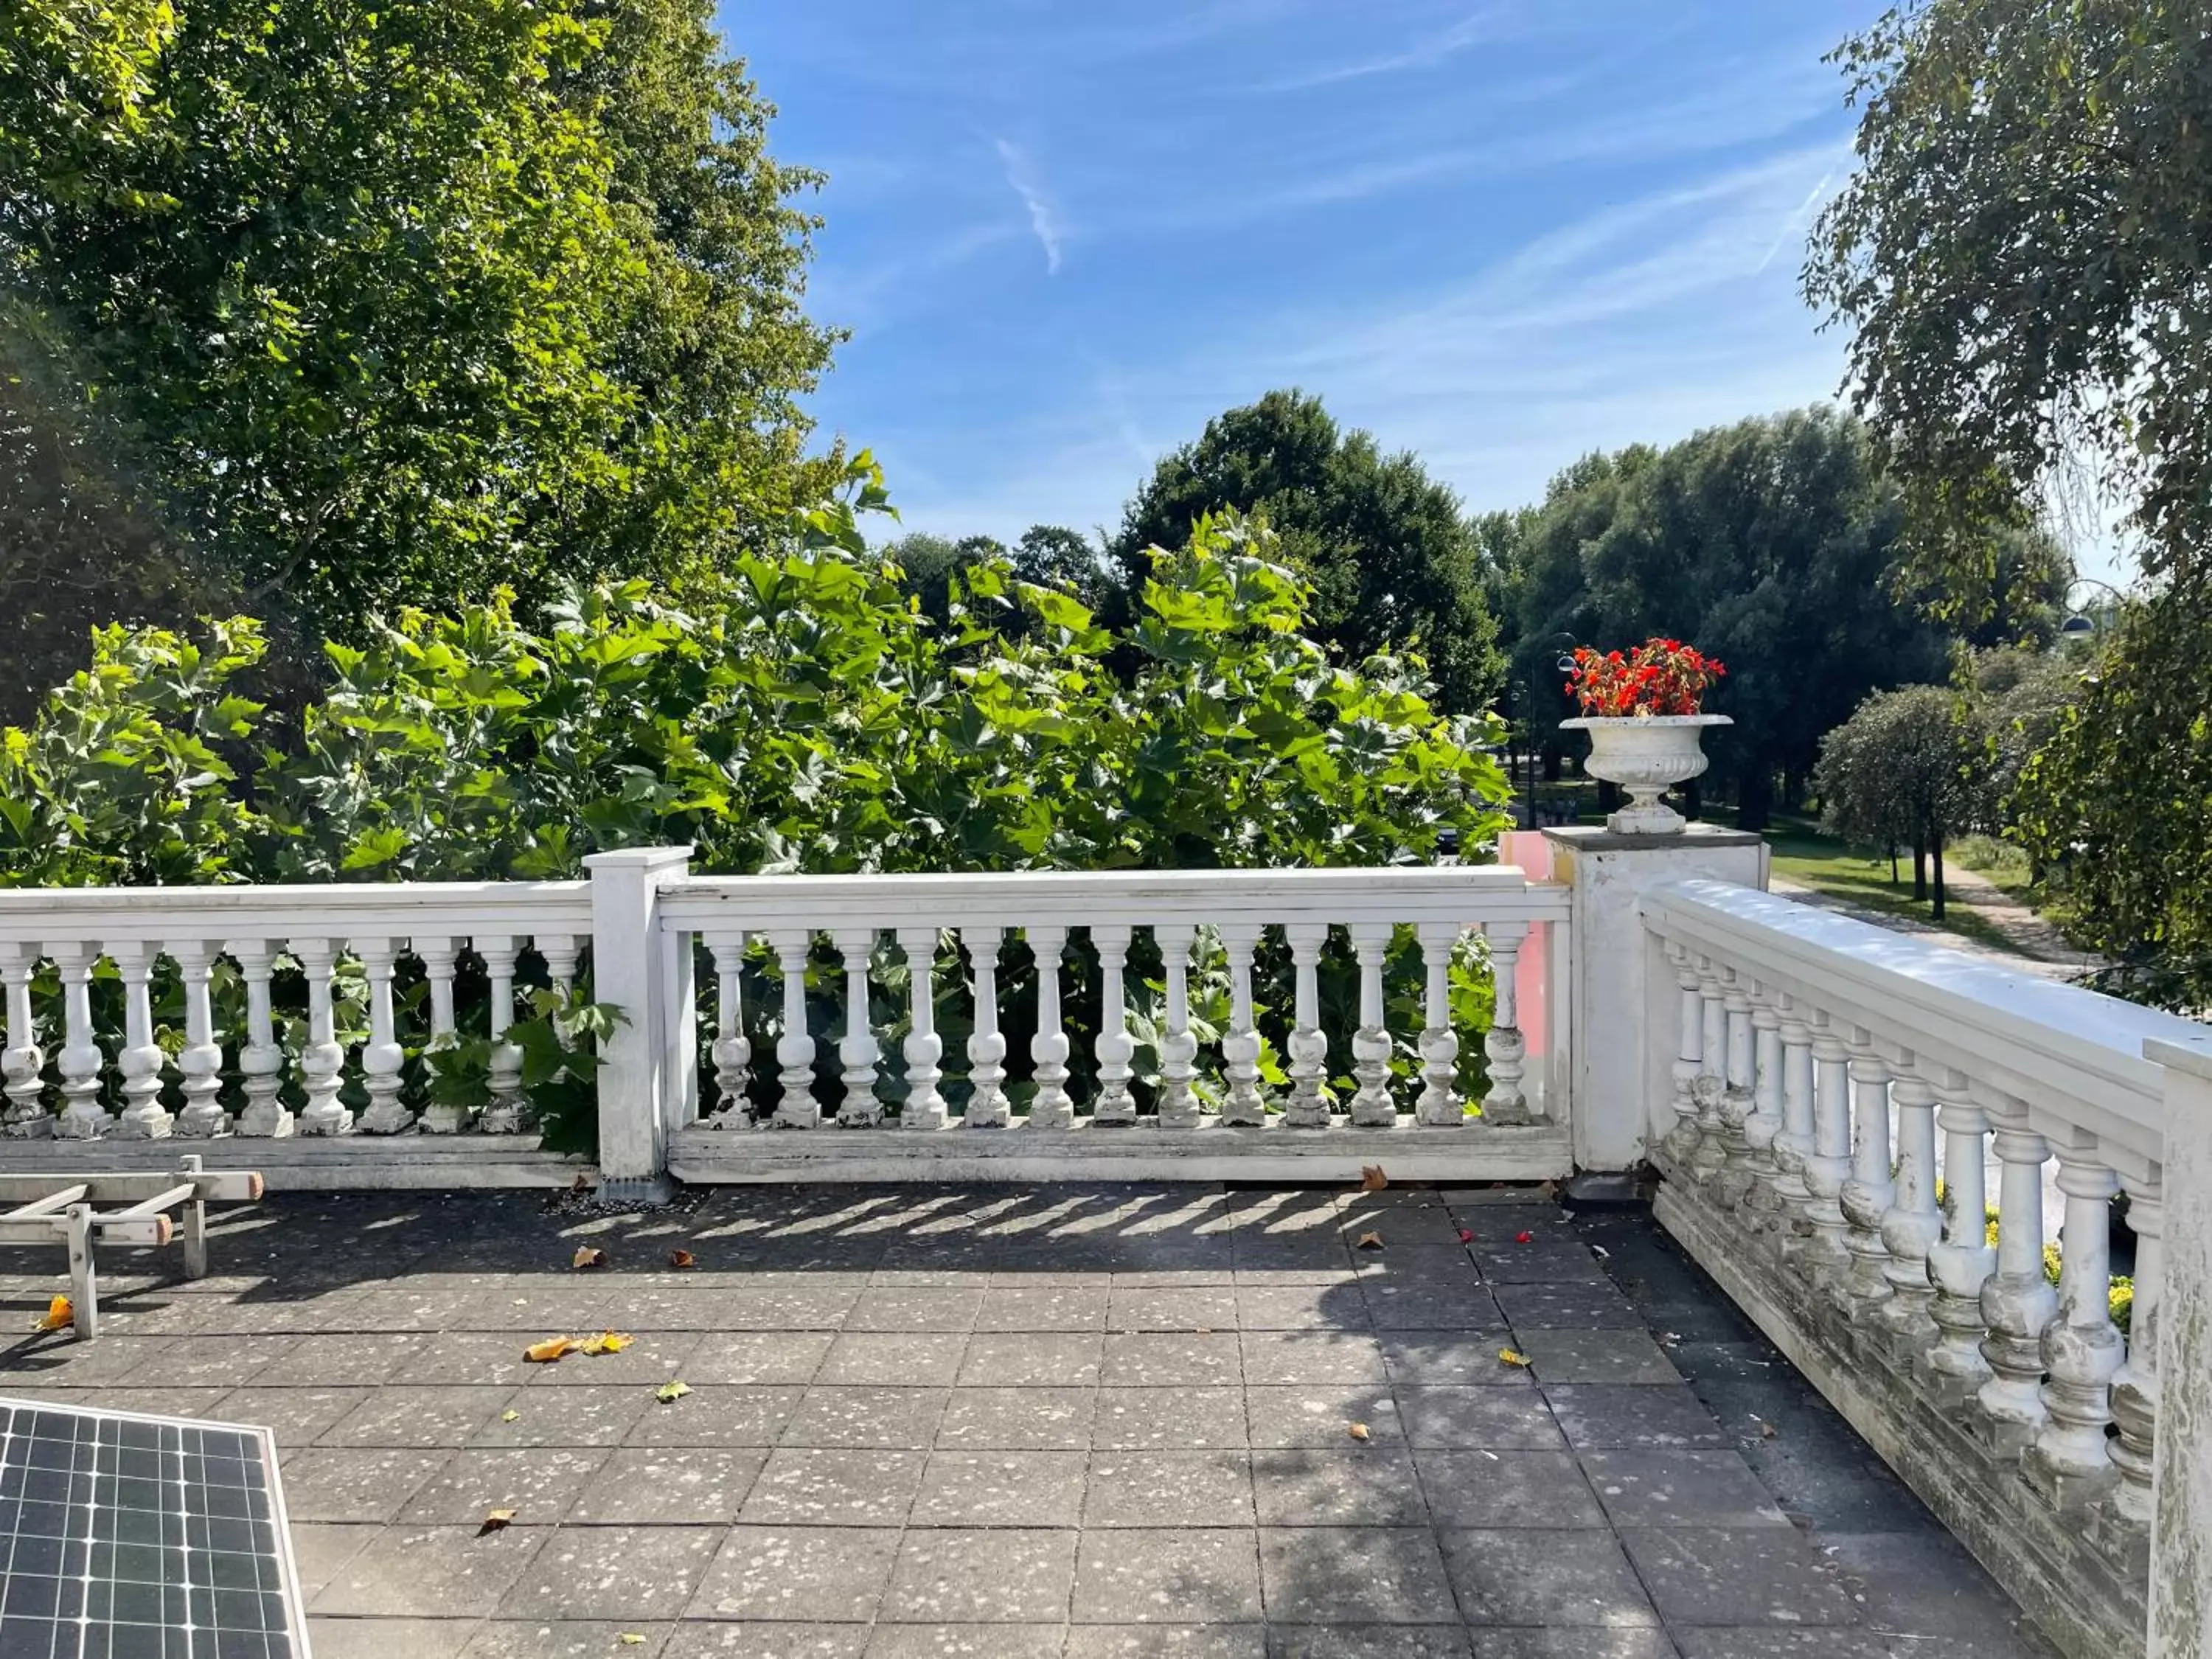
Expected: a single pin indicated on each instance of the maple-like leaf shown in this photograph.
(1372, 1179)
(607, 1342)
(588, 1255)
(1513, 1355)
(681, 1259)
(669, 1393)
(60, 1315)
(1368, 1242)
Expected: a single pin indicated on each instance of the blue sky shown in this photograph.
(1064, 232)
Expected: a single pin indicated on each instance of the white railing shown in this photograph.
(965, 932)
(219, 955)
(1826, 1080)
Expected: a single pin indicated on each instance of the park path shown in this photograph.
(2039, 947)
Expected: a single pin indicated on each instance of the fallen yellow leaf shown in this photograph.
(497, 1520)
(1372, 1179)
(545, 1352)
(1358, 1432)
(607, 1342)
(1368, 1242)
(669, 1393)
(60, 1315)
(1513, 1355)
(510, 1416)
(681, 1259)
(630, 1639)
(588, 1255)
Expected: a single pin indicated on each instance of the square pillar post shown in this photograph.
(633, 967)
(1622, 1001)
(2181, 1455)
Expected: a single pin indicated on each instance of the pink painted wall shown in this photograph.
(1528, 849)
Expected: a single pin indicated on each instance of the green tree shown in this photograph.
(412, 300)
(1772, 545)
(1904, 768)
(1387, 548)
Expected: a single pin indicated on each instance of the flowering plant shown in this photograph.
(1659, 676)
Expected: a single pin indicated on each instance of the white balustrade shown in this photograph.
(2020, 1410)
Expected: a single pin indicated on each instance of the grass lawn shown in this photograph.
(1828, 866)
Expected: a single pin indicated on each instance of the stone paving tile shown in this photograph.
(835, 1488)
(563, 1417)
(1931, 1590)
(1532, 1576)
(1131, 1419)
(1751, 1642)
(865, 1414)
(1309, 1356)
(1170, 1360)
(1349, 1484)
(1679, 1488)
(911, 1358)
(1300, 1307)
(296, 1416)
(1414, 1305)
(1000, 1489)
(1448, 1358)
(1167, 1575)
(1369, 1642)
(691, 1484)
(612, 1573)
(1578, 1645)
(957, 1575)
(829, 1574)
(1543, 1261)
(340, 1485)
(1567, 1307)
(1171, 1641)
(478, 1357)
(967, 1641)
(1367, 1574)
(1152, 1489)
(710, 1415)
(318, 1550)
(1506, 1489)
(1190, 1308)
(539, 1484)
(408, 1416)
(766, 1641)
(1600, 1356)
(1055, 1359)
(769, 1357)
(1601, 1416)
(565, 1639)
(1496, 1420)
(901, 1308)
(1034, 1419)
(358, 1360)
(1738, 1576)
(429, 1572)
(1286, 1415)
(1419, 1222)
(381, 1638)
(1044, 1308)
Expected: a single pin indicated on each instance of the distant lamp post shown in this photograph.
(1528, 755)
(2079, 624)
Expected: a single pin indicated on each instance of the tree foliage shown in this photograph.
(2021, 258)
(414, 300)
(1772, 545)
(1387, 549)
(1903, 769)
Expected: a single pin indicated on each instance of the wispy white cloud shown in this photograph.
(871, 298)
(1022, 173)
(1474, 30)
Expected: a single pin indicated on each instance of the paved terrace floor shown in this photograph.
(1073, 1422)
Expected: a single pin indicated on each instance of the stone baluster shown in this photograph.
(2135, 1385)
(1871, 1189)
(260, 1057)
(1054, 1108)
(141, 1059)
(1505, 1048)
(988, 1105)
(1308, 1105)
(200, 1064)
(732, 1050)
(382, 1057)
(441, 958)
(1116, 1107)
(795, 1048)
(857, 1050)
(1439, 1105)
(503, 1114)
(2082, 1349)
(1822, 1251)
(322, 1058)
(1240, 1047)
(1732, 1182)
(22, 1065)
(1762, 1200)
(1681, 1145)
(924, 1106)
(562, 953)
(83, 1118)
(1962, 1262)
(1372, 1104)
(2017, 1300)
(1793, 1142)
(1912, 1223)
(1178, 1106)
(1712, 1074)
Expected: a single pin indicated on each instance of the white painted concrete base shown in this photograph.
(1143, 1151)
(2181, 1550)
(300, 1163)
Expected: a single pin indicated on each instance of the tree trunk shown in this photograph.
(1555, 764)
(1694, 800)
(1892, 862)
(1609, 796)
(1936, 840)
(1919, 866)
(1793, 791)
(1754, 798)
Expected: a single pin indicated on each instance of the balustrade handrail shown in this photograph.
(158, 914)
(2075, 1057)
(1413, 893)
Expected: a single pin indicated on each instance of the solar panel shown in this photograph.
(131, 1537)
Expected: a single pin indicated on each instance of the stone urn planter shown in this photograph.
(1646, 755)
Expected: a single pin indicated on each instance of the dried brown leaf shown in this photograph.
(545, 1352)
(497, 1520)
(60, 1315)
(1372, 1179)
(1368, 1242)
(681, 1259)
(1358, 1432)
(588, 1255)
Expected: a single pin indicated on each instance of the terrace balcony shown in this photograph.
(1061, 1352)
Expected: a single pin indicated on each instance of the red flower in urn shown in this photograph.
(1660, 676)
